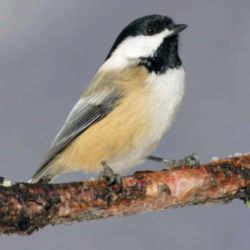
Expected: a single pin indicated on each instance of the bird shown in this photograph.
(127, 107)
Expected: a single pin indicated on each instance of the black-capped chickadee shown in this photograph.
(127, 107)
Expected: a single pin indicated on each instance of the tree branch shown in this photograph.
(24, 208)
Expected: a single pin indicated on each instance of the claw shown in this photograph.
(190, 160)
(108, 174)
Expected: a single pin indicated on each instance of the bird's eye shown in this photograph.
(149, 30)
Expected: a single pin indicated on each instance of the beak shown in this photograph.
(178, 28)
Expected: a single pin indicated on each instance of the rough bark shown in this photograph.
(24, 208)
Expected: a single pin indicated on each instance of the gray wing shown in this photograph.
(86, 112)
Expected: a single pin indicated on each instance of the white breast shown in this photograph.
(167, 94)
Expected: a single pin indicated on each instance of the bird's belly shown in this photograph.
(166, 94)
(116, 139)
(130, 132)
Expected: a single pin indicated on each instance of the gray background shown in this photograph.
(48, 52)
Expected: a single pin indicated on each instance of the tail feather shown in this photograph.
(42, 175)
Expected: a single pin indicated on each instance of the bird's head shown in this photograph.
(151, 41)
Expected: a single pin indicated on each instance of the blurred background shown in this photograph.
(49, 50)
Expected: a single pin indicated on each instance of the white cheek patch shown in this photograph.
(130, 50)
(141, 46)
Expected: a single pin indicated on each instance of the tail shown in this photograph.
(42, 175)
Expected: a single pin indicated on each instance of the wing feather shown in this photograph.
(85, 113)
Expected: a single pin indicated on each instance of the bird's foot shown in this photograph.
(109, 175)
(190, 160)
